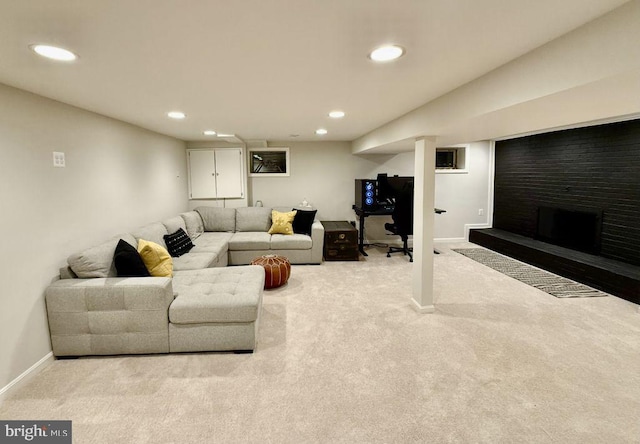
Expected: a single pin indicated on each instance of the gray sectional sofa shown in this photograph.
(204, 306)
(241, 234)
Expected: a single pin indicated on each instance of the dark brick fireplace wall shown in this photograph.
(584, 169)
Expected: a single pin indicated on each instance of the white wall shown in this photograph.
(117, 178)
(462, 195)
(323, 173)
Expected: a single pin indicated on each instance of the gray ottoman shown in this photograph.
(216, 309)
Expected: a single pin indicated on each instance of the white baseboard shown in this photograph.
(468, 227)
(465, 238)
(448, 239)
(392, 240)
(26, 375)
(422, 309)
(436, 240)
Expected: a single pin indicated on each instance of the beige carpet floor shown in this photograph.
(343, 358)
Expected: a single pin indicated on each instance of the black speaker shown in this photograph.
(366, 194)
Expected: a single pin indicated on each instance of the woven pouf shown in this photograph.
(277, 269)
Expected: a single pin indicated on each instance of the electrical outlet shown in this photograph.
(58, 159)
(480, 212)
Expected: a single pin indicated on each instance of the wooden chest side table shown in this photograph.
(340, 241)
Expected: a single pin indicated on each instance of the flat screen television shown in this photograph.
(578, 230)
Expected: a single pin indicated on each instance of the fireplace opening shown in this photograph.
(578, 230)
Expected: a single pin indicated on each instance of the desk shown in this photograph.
(384, 210)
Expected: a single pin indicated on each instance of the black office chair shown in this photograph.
(402, 221)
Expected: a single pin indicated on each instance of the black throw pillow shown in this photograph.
(178, 243)
(128, 261)
(303, 220)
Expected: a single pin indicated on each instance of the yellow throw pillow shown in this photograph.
(281, 222)
(156, 258)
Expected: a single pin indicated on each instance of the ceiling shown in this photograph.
(269, 69)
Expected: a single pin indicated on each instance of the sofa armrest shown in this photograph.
(317, 242)
(102, 316)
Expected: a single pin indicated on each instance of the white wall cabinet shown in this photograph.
(216, 173)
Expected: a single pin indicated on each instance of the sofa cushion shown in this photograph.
(303, 220)
(153, 232)
(97, 261)
(174, 224)
(229, 295)
(282, 222)
(253, 219)
(193, 223)
(218, 219)
(128, 262)
(290, 242)
(156, 258)
(178, 243)
(195, 261)
(212, 242)
(250, 240)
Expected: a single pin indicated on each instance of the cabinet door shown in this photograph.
(229, 173)
(202, 174)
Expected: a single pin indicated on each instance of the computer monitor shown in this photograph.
(390, 186)
(384, 191)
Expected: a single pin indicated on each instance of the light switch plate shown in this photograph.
(58, 159)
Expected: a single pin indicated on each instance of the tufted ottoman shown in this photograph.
(277, 269)
(216, 309)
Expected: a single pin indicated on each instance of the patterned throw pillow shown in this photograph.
(178, 243)
(156, 258)
(281, 222)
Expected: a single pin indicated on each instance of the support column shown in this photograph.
(423, 222)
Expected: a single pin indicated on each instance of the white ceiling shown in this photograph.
(267, 69)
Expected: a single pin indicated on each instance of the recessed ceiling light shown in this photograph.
(336, 114)
(176, 115)
(226, 135)
(54, 53)
(386, 53)
(209, 132)
(321, 132)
